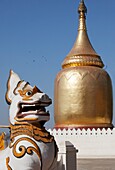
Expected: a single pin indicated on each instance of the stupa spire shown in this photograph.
(82, 53)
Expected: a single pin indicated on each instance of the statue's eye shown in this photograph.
(28, 93)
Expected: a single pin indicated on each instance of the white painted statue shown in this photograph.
(31, 146)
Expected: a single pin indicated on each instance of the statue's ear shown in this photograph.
(12, 83)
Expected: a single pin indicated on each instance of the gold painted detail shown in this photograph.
(22, 150)
(2, 142)
(24, 92)
(7, 163)
(38, 133)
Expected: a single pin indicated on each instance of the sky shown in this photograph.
(36, 36)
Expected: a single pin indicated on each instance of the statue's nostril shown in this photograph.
(45, 98)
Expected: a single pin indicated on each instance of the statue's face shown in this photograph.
(27, 103)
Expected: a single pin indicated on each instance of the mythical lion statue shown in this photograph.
(31, 146)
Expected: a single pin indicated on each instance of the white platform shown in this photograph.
(97, 144)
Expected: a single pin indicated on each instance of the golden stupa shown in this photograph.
(83, 89)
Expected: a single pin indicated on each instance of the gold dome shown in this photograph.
(83, 90)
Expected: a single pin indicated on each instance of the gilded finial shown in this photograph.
(82, 10)
(82, 7)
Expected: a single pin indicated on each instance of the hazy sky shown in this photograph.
(36, 36)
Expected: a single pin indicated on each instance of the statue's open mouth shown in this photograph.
(32, 109)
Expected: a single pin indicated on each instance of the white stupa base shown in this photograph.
(96, 147)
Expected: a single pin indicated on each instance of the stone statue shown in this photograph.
(31, 146)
